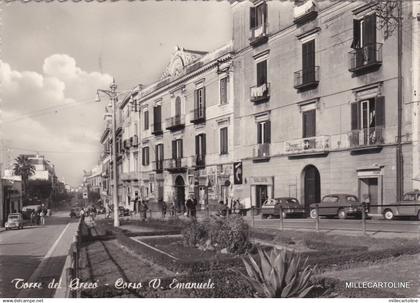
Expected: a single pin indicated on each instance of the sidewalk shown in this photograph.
(51, 266)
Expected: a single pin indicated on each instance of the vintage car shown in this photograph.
(123, 212)
(341, 205)
(14, 220)
(409, 206)
(289, 207)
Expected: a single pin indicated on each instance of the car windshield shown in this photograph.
(271, 202)
(14, 217)
(352, 199)
(292, 201)
(327, 199)
(409, 197)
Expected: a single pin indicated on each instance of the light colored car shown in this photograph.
(409, 206)
(14, 220)
(289, 207)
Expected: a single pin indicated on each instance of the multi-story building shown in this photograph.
(105, 159)
(316, 104)
(178, 131)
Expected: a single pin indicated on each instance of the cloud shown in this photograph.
(54, 111)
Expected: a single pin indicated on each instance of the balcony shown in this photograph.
(134, 141)
(366, 59)
(198, 115)
(159, 166)
(199, 161)
(313, 146)
(305, 12)
(176, 165)
(306, 79)
(258, 35)
(366, 139)
(157, 129)
(175, 123)
(261, 152)
(260, 93)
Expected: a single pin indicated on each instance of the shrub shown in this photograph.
(278, 274)
(231, 233)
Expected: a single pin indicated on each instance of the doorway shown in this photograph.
(311, 186)
(261, 194)
(369, 192)
(180, 193)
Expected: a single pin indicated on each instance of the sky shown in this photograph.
(54, 56)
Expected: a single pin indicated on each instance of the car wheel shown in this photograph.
(264, 216)
(284, 215)
(418, 216)
(388, 214)
(7, 228)
(313, 214)
(342, 214)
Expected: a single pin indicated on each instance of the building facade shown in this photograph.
(178, 132)
(315, 108)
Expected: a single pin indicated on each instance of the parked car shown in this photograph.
(14, 220)
(290, 207)
(409, 206)
(341, 205)
(123, 212)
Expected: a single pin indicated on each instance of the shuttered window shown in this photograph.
(364, 31)
(258, 15)
(157, 117)
(308, 61)
(368, 113)
(261, 72)
(309, 123)
(177, 147)
(223, 90)
(263, 132)
(200, 144)
(199, 102)
(224, 140)
(159, 152)
(146, 120)
(145, 156)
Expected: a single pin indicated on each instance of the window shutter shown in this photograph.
(356, 34)
(203, 148)
(142, 156)
(252, 14)
(308, 56)
(264, 11)
(181, 149)
(197, 145)
(369, 30)
(380, 111)
(259, 133)
(196, 99)
(262, 72)
(267, 132)
(204, 99)
(354, 116)
(174, 149)
(157, 153)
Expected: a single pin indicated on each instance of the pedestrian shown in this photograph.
(33, 217)
(143, 210)
(37, 217)
(189, 205)
(172, 209)
(194, 208)
(163, 208)
(42, 216)
(82, 214)
(222, 210)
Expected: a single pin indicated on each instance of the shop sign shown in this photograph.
(260, 180)
(237, 173)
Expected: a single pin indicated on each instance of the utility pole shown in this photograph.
(399, 156)
(112, 94)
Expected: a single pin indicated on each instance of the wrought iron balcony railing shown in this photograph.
(306, 78)
(262, 151)
(366, 58)
(318, 144)
(258, 35)
(305, 12)
(366, 137)
(198, 115)
(260, 93)
(175, 122)
(175, 165)
(157, 129)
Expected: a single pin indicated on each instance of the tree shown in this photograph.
(23, 168)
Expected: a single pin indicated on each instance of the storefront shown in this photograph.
(261, 188)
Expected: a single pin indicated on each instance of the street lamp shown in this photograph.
(113, 96)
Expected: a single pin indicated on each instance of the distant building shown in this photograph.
(10, 198)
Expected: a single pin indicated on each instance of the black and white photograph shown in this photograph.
(209, 150)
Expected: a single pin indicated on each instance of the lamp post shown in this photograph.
(113, 96)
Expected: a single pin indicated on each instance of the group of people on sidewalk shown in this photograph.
(38, 216)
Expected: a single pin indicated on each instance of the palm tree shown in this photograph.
(24, 168)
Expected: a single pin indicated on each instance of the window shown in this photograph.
(258, 16)
(263, 132)
(177, 152)
(223, 90)
(224, 141)
(146, 120)
(330, 199)
(178, 107)
(308, 61)
(200, 144)
(368, 113)
(199, 102)
(145, 156)
(136, 162)
(157, 117)
(159, 152)
(309, 123)
(364, 31)
(261, 73)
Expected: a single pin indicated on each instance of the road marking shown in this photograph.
(35, 274)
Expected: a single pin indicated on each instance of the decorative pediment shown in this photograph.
(179, 60)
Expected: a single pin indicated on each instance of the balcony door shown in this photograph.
(308, 62)
(200, 103)
(200, 148)
(311, 186)
(178, 110)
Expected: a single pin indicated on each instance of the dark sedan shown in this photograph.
(286, 206)
(340, 205)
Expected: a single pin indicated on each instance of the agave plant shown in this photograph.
(278, 274)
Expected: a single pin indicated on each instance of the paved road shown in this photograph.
(373, 226)
(22, 252)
